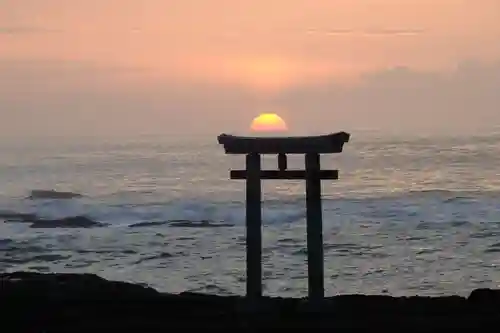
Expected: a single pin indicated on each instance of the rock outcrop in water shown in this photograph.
(85, 222)
(52, 194)
(148, 224)
(199, 224)
(67, 222)
(83, 303)
(37, 222)
(18, 217)
(182, 224)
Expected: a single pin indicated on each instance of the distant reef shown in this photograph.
(81, 221)
(34, 302)
(41, 223)
(52, 194)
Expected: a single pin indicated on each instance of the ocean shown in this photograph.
(409, 215)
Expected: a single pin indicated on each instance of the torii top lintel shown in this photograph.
(321, 144)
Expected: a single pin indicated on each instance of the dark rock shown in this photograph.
(485, 296)
(148, 224)
(18, 217)
(198, 224)
(83, 303)
(182, 224)
(68, 222)
(52, 194)
(67, 286)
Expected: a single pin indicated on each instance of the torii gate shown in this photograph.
(311, 147)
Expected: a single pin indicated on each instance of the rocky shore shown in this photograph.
(34, 302)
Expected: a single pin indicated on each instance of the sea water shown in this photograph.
(409, 215)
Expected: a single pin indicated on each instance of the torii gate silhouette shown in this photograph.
(311, 147)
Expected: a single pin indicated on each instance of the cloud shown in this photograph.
(366, 32)
(19, 30)
(329, 32)
(402, 99)
(80, 98)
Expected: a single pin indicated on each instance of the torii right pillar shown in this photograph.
(311, 147)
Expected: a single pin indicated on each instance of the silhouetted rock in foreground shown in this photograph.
(67, 222)
(83, 303)
(52, 194)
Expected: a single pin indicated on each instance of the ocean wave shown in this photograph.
(424, 209)
(134, 197)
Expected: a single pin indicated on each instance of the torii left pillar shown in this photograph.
(253, 223)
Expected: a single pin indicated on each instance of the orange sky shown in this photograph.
(262, 46)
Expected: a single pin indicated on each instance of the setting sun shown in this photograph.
(268, 122)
